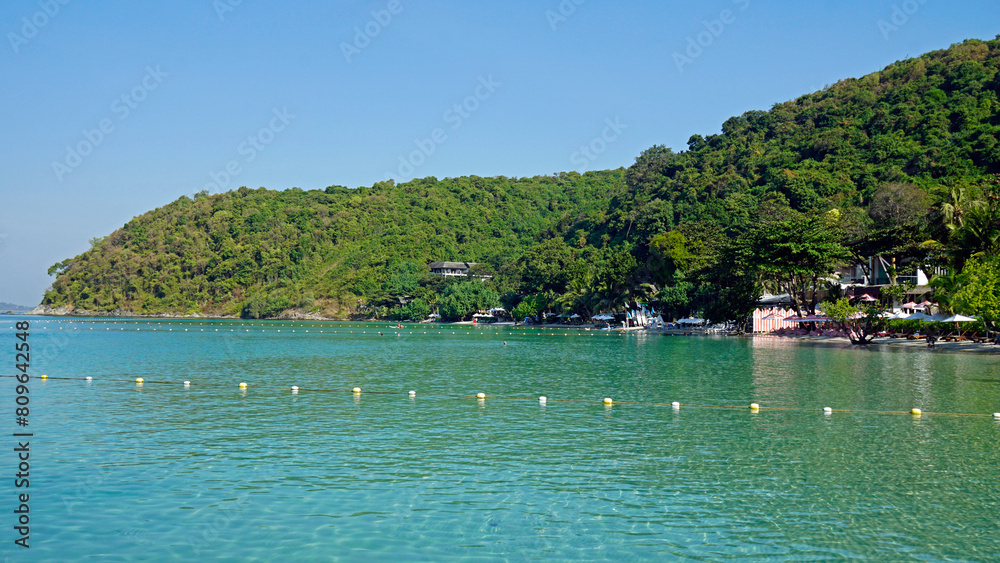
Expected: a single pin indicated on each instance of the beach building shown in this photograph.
(460, 269)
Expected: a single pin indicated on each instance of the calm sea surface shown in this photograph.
(157, 471)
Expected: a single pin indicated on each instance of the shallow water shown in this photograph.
(159, 471)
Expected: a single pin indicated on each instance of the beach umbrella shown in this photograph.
(574, 316)
(910, 305)
(867, 298)
(917, 317)
(958, 319)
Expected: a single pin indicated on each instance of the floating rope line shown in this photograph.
(322, 327)
(481, 397)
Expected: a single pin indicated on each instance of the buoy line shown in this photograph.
(542, 400)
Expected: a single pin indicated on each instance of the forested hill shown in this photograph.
(931, 121)
(319, 249)
(876, 165)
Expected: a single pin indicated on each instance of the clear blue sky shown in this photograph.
(115, 108)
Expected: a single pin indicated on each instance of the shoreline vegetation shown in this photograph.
(842, 200)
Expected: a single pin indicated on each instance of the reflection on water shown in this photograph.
(214, 471)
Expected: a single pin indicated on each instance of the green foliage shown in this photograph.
(526, 308)
(798, 255)
(676, 300)
(403, 277)
(549, 266)
(365, 245)
(980, 294)
(896, 164)
(859, 322)
(461, 300)
(259, 306)
(416, 310)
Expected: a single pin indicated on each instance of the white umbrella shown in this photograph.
(958, 319)
(574, 316)
(917, 317)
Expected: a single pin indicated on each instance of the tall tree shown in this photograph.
(798, 255)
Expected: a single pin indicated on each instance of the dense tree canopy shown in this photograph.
(896, 166)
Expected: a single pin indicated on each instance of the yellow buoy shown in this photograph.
(608, 401)
(413, 393)
(357, 389)
(480, 395)
(243, 385)
(754, 406)
(915, 412)
(43, 376)
(139, 380)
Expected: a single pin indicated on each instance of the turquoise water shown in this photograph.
(163, 472)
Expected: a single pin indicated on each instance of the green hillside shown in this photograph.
(322, 249)
(897, 164)
(931, 121)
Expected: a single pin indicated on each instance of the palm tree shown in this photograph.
(945, 287)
